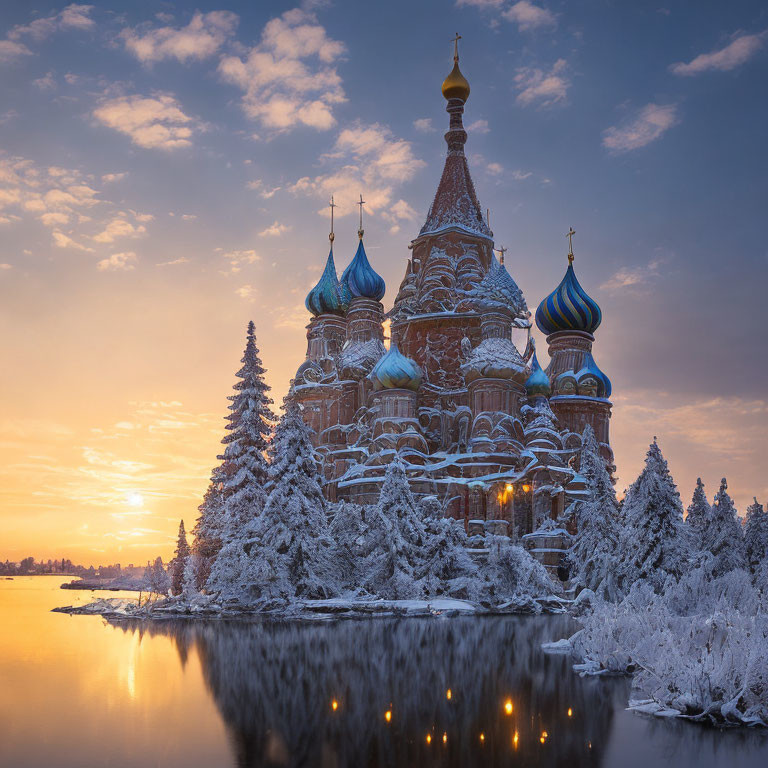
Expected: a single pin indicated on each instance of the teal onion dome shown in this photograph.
(395, 371)
(326, 296)
(588, 381)
(359, 279)
(538, 382)
(568, 308)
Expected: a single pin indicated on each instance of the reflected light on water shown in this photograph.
(448, 694)
(224, 693)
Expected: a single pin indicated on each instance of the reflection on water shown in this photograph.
(406, 691)
(78, 691)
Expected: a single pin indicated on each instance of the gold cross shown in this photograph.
(455, 42)
(332, 206)
(360, 230)
(571, 233)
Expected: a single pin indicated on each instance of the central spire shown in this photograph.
(456, 204)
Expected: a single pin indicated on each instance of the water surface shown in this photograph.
(82, 691)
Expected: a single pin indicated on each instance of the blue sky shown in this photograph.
(165, 167)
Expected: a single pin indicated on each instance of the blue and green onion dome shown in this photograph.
(568, 308)
(326, 296)
(359, 280)
(537, 383)
(396, 371)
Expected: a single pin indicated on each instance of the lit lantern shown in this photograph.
(388, 715)
(570, 712)
(509, 488)
(445, 738)
(526, 488)
(448, 694)
(429, 738)
(334, 705)
(482, 737)
(508, 706)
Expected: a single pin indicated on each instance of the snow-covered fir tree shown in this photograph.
(159, 580)
(348, 530)
(294, 553)
(698, 517)
(446, 568)
(395, 538)
(179, 562)
(594, 553)
(654, 542)
(756, 538)
(511, 573)
(724, 537)
(209, 530)
(243, 475)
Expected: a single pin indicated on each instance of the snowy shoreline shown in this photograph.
(313, 610)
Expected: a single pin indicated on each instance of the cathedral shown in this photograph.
(476, 420)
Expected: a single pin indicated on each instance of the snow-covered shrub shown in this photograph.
(447, 567)
(511, 574)
(348, 531)
(700, 648)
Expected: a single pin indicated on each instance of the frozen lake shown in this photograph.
(80, 691)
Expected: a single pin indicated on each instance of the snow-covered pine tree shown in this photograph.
(294, 555)
(348, 530)
(594, 553)
(209, 530)
(724, 537)
(160, 581)
(756, 538)
(179, 562)
(244, 471)
(654, 541)
(698, 517)
(395, 539)
(446, 567)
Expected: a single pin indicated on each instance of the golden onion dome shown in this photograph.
(455, 86)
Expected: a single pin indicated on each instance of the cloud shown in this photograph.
(109, 178)
(10, 50)
(72, 17)
(367, 159)
(424, 125)
(156, 122)
(180, 260)
(479, 126)
(200, 39)
(45, 83)
(633, 278)
(54, 219)
(60, 240)
(738, 51)
(119, 227)
(647, 125)
(117, 262)
(5, 267)
(521, 175)
(275, 230)
(246, 292)
(237, 259)
(529, 16)
(494, 168)
(540, 87)
(288, 78)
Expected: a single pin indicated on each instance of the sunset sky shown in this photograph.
(164, 179)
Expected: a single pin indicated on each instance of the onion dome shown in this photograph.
(588, 381)
(326, 296)
(538, 382)
(455, 86)
(359, 280)
(396, 371)
(568, 308)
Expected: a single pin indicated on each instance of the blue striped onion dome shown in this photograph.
(359, 279)
(326, 296)
(395, 371)
(568, 308)
(538, 382)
